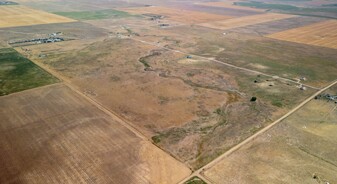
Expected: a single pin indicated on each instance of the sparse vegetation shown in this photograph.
(195, 180)
(253, 99)
(145, 63)
(169, 87)
(156, 139)
(298, 139)
(277, 103)
(115, 78)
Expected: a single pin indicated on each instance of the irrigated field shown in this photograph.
(53, 135)
(230, 5)
(245, 21)
(301, 149)
(18, 73)
(179, 15)
(93, 15)
(294, 7)
(13, 16)
(79, 5)
(322, 34)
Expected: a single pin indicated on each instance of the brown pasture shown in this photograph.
(14, 16)
(52, 135)
(322, 34)
(179, 15)
(164, 94)
(245, 21)
(168, 101)
(301, 149)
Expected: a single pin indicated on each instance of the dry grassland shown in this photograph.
(229, 5)
(52, 135)
(13, 16)
(246, 21)
(301, 149)
(322, 34)
(179, 15)
(194, 108)
(169, 101)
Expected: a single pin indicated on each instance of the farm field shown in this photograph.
(322, 34)
(300, 149)
(17, 15)
(172, 91)
(179, 15)
(250, 51)
(70, 31)
(226, 11)
(59, 137)
(229, 4)
(264, 29)
(213, 113)
(81, 5)
(245, 21)
(93, 15)
(18, 73)
(306, 8)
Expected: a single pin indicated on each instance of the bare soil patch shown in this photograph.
(322, 34)
(245, 21)
(52, 135)
(13, 16)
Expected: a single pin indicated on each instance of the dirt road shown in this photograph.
(139, 134)
(98, 105)
(233, 149)
(227, 64)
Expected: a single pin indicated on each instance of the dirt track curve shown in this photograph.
(199, 172)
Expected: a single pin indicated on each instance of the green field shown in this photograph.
(94, 15)
(287, 8)
(262, 5)
(195, 180)
(330, 5)
(18, 73)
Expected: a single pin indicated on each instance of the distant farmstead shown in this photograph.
(7, 3)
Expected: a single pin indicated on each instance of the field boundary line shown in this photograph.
(32, 89)
(122, 121)
(251, 138)
(67, 83)
(228, 64)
